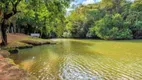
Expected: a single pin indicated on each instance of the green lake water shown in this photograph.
(72, 59)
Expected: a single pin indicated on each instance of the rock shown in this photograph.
(35, 43)
(1, 57)
(14, 51)
(4, 53)
(10, 71)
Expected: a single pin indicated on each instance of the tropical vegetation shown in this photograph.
(107, 19)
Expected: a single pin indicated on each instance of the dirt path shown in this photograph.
(15, 37)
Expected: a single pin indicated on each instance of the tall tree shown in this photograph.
(7, 13)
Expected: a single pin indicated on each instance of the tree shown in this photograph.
(76, 25)
(112, 27)
(80, 20)
(134, 19)
(7, 13)
(40, 15)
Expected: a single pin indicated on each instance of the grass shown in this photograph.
(17, 43)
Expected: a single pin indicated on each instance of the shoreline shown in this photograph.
(11, 71)
(8, 69)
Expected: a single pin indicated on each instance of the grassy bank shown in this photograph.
(23, 41)
(7, 67)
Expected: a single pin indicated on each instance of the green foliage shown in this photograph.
(67, 35)
(112, 27)
(37, 16)
(134, 19)
(76, 24)
(80, 20)
(108, 19)
(137, 5)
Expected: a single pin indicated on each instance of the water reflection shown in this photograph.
(74, 60)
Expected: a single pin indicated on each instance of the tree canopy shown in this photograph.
(30, 16)
(108, 19)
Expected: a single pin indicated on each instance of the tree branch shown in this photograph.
(14, 10)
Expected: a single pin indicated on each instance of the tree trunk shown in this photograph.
(6, 16)
(3, 33)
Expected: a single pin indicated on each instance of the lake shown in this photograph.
(73, 59)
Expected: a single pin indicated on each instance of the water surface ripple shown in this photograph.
(79, 60)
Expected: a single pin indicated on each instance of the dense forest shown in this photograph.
(107, 19)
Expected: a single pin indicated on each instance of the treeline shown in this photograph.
(108, 19)
(46, 17)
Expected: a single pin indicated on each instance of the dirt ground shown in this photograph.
(9, 70)
(15, 37)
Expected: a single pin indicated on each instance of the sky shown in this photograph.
(85, 2)
(75, 3)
